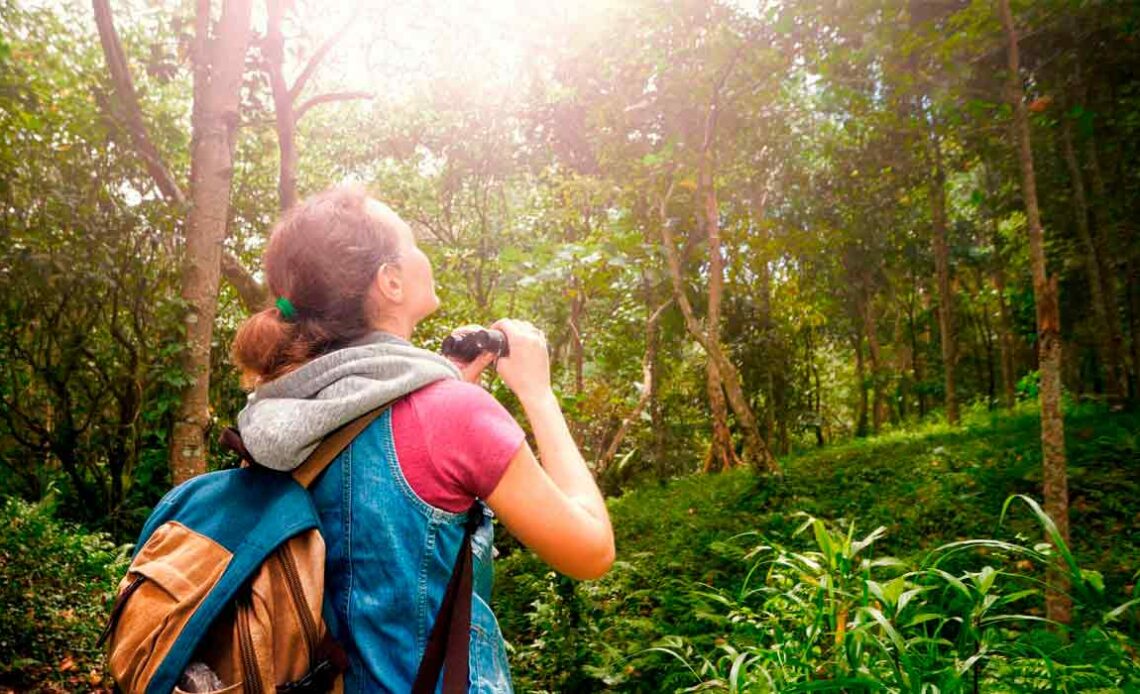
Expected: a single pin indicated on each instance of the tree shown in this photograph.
(218, 59)
(1058, 604)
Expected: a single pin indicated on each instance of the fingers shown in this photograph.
(520, 328)
(472, 370)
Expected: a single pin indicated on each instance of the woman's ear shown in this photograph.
(389, 283)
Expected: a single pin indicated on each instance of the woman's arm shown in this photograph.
(556, 509)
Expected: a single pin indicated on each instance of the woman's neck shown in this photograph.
(394, 325)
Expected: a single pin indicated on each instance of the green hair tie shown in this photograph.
(286, 308)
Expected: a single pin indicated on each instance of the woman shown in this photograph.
(351, 285)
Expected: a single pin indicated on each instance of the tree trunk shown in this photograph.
(758, 454)
(1132, 282)
(860, 378)
(916, 354)
(721, 454)
(1104, 240)
(1005, 321)
(1058, 606)
(219, 63)
(764, 309)
(1108, 339)
(874, 355)
(1005, 341)
(987, 372)
(942, 270)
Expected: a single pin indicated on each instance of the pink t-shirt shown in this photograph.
(454, 442)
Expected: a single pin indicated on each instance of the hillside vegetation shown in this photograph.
(681, 606)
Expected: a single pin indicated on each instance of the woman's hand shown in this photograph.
(470, 371)
(527, 370)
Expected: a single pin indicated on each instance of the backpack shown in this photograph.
(228, 574)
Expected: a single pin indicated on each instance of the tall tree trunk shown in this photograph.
(1058, 605)
(759, 455)
(861, 428)
(1133, 285)
(764, 309)
(874, 357)
(997, 278)
(1108, 339)
(721, 454)
(915, 345)
(902, 391)
(1105, 243)
(813, 385)
(986, 342)
(1005, 340)
(942, 270)
(218, 65)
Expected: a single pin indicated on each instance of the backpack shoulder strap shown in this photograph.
(449, 642)
(332, 445)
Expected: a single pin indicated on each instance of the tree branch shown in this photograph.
(251, 293)
(327, 98)
(646, 389)
(254, 296)
(315, 60)
(128, 100)
(285, 120)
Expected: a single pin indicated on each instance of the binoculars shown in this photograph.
(467, 344)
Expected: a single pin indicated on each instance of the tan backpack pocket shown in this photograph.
(166, 582)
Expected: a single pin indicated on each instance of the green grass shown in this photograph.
(927, 487)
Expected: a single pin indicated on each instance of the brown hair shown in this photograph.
(322, 256)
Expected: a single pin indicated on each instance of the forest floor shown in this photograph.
(927, 486)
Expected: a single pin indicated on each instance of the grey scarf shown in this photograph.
(285, 419)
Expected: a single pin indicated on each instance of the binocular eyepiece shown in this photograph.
(467, 344)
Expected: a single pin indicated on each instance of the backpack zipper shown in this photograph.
(117, 609)
(252, 677)
(293, 580)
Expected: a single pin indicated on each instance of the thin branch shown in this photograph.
(315, 60)
(646, 389)
(328, 98)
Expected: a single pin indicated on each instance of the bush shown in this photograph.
(56, 583)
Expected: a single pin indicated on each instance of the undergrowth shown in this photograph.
(710, 567)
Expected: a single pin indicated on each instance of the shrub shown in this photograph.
(56, 582)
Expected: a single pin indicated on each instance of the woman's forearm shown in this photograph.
(559, 454)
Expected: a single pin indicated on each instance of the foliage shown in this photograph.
(538, 155)
(56, 583)
(836, 617)
(688, 569)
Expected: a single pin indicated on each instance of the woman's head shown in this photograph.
(348, 265)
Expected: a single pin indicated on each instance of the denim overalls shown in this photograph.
(390, 555)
